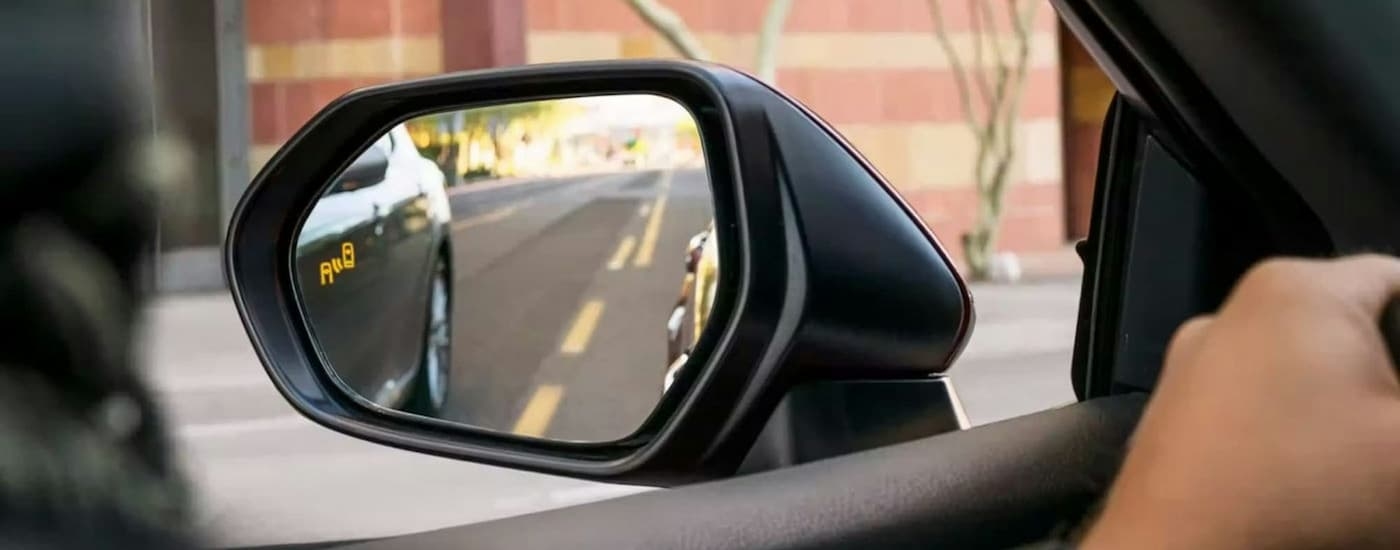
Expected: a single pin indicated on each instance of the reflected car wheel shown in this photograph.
(432, 385)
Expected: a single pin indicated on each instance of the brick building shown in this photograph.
(870, 67)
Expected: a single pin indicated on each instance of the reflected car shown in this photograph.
(374, 259)
(692, 309)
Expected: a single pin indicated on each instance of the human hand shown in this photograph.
(1275, 423)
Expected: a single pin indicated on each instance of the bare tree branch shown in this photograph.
(671, 27)
(993, 85)
(1003, 79)
(996, 106)
(1022, 20)
(766, 66)
(960, 76)
(998, 110)
(994, 30)
(1000, 83)
(978, 60)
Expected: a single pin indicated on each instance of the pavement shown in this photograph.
(561, 299)
(545, 342)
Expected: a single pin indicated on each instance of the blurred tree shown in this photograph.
(688, 136)
(990, 92)
(673, 29)
(447, 135)
(494, 121)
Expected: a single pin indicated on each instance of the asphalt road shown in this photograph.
(266, 475)
(561, 297)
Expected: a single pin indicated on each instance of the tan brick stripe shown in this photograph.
(350, 57)
(285, 21)
(1033, 219)
(279, 108)
(905, 95)
(258, 155)
(819, 50)
(923, 155)
(747, 15)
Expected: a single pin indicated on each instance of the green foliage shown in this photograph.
(498, 127)
(478, 173)
(482, 119)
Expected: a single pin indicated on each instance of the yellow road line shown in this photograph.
(653, 229)
(581, 331)
(489, 217)
(624, 249)
(539, 411)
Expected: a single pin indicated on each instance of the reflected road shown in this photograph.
(562, 290)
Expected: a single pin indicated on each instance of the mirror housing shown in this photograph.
(367, 169)
(834, 277)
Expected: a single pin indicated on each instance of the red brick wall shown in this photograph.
(304, 53)
(872, 68)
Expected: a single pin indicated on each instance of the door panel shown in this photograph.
(996, 486)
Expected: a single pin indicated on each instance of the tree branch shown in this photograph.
(978, 60)
(985, 7)
(1023, 19)
(766, 65)
(1003, 87)
(671, 27)
(1021, 28)
(990, 150)
(960, 76)
(1004, 79)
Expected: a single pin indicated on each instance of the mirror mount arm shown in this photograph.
(826, 419)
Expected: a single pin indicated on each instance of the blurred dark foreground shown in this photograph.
(84, 457)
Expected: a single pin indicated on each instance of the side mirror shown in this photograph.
(523, 321)
(367, 169)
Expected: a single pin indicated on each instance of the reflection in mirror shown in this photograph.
(516, 267)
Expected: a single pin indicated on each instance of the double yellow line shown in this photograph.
(539, 410)
(647, 250)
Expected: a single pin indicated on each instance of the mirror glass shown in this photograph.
(539, 268)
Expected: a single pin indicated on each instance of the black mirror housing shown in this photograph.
(367, 169)
(834, 279)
